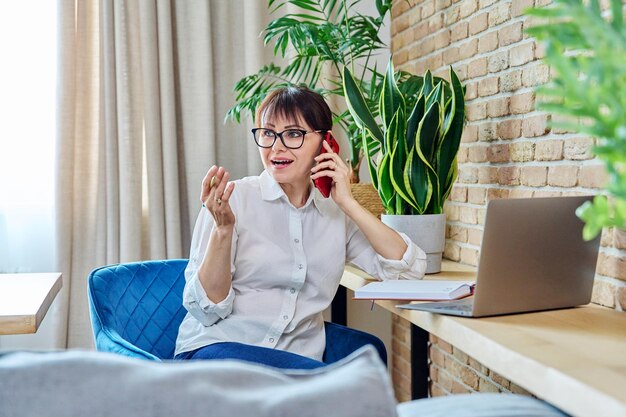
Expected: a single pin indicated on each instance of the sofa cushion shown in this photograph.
(85, 383)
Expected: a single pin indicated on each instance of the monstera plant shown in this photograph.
(411, 154)
(411, 150)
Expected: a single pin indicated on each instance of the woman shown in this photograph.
(268, 252)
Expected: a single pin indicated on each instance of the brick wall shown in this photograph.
(508, 151)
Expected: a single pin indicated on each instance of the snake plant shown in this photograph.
(411, 153)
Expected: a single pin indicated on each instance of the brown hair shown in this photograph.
(295, 102)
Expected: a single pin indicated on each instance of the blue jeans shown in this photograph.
(266, 356)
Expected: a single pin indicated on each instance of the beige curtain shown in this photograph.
(143, 90)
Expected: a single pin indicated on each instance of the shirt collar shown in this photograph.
(271, 190)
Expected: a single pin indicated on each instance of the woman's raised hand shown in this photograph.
(330, 164)
(215, 195)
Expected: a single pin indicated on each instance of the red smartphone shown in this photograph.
(324, 184)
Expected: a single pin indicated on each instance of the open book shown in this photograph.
(415, 290)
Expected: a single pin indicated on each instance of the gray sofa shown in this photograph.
(94, 384)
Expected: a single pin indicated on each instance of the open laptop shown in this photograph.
(533, 257)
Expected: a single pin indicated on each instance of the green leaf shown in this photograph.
(358, 106)
(390, 99)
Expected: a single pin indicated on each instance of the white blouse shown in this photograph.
(286, 264)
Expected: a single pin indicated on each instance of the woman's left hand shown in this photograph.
(330, 164)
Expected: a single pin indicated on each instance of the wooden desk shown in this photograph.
(574, 358)
(25, 299)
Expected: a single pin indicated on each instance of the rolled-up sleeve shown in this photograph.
(361, 254)
(195, 299)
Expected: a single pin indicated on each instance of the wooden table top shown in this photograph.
(573, 358)
(25, 299)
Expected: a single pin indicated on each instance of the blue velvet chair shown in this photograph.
(136, 309)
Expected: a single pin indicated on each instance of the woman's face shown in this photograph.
(290, 166)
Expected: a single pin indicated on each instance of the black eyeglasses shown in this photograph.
(291, 138)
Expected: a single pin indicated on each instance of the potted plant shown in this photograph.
(317, 41)
(586, 50)
(411, 152)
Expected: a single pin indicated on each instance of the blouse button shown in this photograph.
(300, 266)
(271, 340)
(297, 240)
(293, 290)
(285, 317)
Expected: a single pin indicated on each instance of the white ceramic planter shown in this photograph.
(428, 231)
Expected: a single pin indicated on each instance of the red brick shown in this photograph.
(498, 61)
(458, 193)
(509, 175)
(534, 126)
(477, 153)
(578, 149)
(450, 55)
(603, 292)
(487, 174)
(495, 194)
(551, 150)
(420, 31)
(459, 31)
(477, 68)
(470, 134)
(619, 238)
(468, 49)
(476, 111)
(499, 14)
(563, 175)
(592, 176)
(498, 153)
(475, 195)
(452, 252)
(498, 107)
(436, 22)
(457, 233)
(510, 34)
(499, 379)
(510, 129)
(488, 42)
(467, 8)
(511, 81)
(487, 132)
(522, 151)
(475, 236)
(452, 15)
(488, 86)
(521, 193)
(442, 4)
(468, 175)
(621, 297)
(471, 91)
(518, 7)
(459, 388)
(478, 23)
(534, 176)
(442, 39)
(485, 385)
(428, 9)
(521, 54)
(536, 75)
(461, 155)
(522, 103)
(469, 256)
(445, 346)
